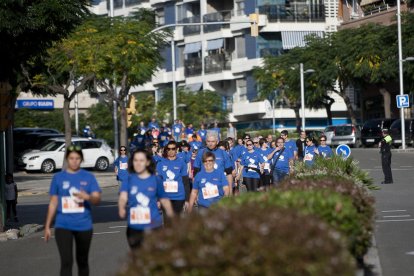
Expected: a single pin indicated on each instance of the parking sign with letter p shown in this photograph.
(403, 101)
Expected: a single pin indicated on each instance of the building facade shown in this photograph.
(221, 58)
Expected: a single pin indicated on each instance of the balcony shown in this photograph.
(215, 17)
(193, 67)
(270, 52)
(217, 63)
(294, 13)
(191, 30)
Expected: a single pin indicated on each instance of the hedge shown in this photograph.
(248, 240)
(361, 199)
(336, 167)
(335, 209)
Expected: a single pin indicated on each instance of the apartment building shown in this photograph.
(222, 57)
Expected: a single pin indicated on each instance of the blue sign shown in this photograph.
(343, 150)
(35, 104)
(403, 101)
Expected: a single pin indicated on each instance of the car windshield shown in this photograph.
(373, 124)
(343, 130)
(52, 146)
(329, 129)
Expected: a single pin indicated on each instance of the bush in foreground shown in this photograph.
(361, 199)
(244, 241)
(335, 209)
(336, 166)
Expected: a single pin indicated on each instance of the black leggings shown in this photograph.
(178, 206)
(64, 240)
(134, 237)
(251, 183)
(11, 206)
(265, 180)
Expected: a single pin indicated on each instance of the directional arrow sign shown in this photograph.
(343, 150)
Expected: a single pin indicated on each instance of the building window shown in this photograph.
(239, 7)
(160, 17)
(269, 44)
(240, 47)
(242, 90)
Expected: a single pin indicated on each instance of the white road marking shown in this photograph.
(406, 166)
(394, 220)
(110, 232)
(120, 226)
(399, 216)
(392, 169)
(410, 253)
(391, 211)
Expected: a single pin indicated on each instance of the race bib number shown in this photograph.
(171, 186)
(140, 215)
(267, 166)
(252, 168)
(70, 205)
(308, 157)
(123, 166)
(210, 191)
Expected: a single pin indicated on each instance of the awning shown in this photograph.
(292, 39)
(192, 48)
(215, 44)
(194, 87)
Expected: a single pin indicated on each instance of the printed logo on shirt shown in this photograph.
(282, 157)
(251, 160)
(84, 183)
(134, 190)
(176, 168)
(164, 168)
(151, 189)
(215, 166)
(203, 180)
(170, 175)
(66, 185)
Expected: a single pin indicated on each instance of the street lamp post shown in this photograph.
(273, 114)
(174, 84)
(302, 92)
(400, 69)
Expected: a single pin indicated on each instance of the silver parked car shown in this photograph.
(329, 132)
(347, 134)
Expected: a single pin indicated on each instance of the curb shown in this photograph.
(22, 232)
(45, 192)
(403, 150)
(372, 260)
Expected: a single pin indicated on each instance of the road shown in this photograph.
(394, 224)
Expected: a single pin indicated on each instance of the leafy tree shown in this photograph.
(121, 53)
(35, 118)
(145, 106)
(99, 117)
(194, 107)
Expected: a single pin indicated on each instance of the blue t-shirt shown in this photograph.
(143, 193)
(72, 214)
(177, 128)
(251, 164)
(291, 145)
(156, 158)
(163, 138)
(222, 159)
(122, 164)
(309, 156)
(152, 125)
(195, 145)
(237, 151)
(210, 186)
(185, 156)
(171, 173)
(263, 159)
(202, 133)
(189, 130)
(139, 141)
(282, 163)
(325, 151)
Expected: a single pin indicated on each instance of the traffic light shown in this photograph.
(131, 110)
(254, 24)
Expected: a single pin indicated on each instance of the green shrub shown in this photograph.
(244, 241)
(336, 166)
(361, 199)
(335, 209)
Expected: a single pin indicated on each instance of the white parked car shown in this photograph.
(329, 133)
(97, 154)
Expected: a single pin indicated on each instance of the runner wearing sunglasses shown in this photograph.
(121, 165)
(323, 149)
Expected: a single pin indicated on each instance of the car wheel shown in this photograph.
(48, 166)
(102, 164)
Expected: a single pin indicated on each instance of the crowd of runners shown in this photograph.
(167, 172)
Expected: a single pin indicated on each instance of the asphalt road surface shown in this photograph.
(109, 251)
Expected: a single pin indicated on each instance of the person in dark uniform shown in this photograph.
(385, 150)
(301, 144)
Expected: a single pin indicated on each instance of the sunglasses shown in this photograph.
(122, 150)
(209, 161)
(322, 140)
(249, 145)
(171, 149)
(74, 148)
(256, 142)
